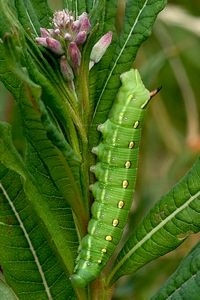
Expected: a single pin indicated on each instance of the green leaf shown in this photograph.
(184, 282)
(57, 98)
(16, 54)
(54, 161)
(33, 15)
(105, 17)
(32, 111)
(49, 208)
(86, 80)
(39, 125)
(75, 6)
(5, 292)
(27, 95)
(138, 22)
(30, 266)
(42, 11)
(90, 4)
(8, 19)
(164, 228)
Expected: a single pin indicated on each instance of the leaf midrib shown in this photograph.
(152, 232)
(118, 57)
(31, 247)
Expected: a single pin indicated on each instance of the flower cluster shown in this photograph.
(65, 40)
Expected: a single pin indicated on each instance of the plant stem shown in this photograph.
(99, 291)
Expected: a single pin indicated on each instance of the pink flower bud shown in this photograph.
(57, 31)
(68, 36)
(74, 54)
(41, 41)
(51, 32)
(54, 46)
(85, 23)
(65, 35)
(76, 25)
(66, 70)
(44, 32)
(62, 18)
(100, 48)
(81, 37)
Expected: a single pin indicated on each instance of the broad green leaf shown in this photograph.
(138, 22)
(38, 125)
(27, 16)
(68, 4)
(61, 101)
(57, 97)
(81, 7)
(5, 292)
(30, 266)
(8, 16)
(53, 159)
(42, 11)
(90, 4)
(184, 282)
(86, 81)
(106, 18)
(56, 202)
(165, 227)
(26, 11)
(27, 95)
(48, 208)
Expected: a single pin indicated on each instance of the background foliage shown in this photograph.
(171, 140)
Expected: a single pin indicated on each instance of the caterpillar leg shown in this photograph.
(116, 175)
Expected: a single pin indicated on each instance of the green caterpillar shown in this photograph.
(116, 175)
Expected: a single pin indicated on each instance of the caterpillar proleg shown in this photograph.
(116, 175)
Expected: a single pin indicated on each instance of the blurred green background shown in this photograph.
(171, 138)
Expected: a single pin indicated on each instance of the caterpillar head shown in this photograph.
(132, 85)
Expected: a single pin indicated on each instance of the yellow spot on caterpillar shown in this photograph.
(131, 145)
(115, 222)
(99, 261)
(136, 124)
(121, 204)
(125, 184)
(103, 250)
(108, 238)
(127, 164)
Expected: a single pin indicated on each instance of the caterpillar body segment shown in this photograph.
(115, 172)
